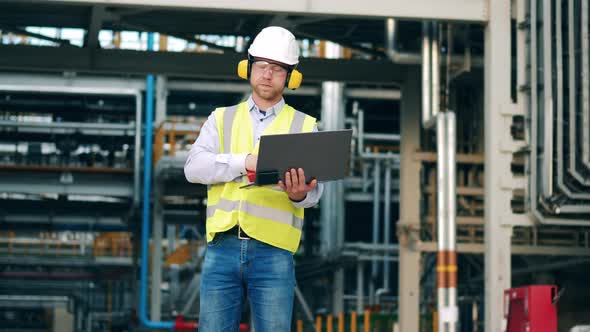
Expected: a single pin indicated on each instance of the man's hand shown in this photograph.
(251, 161)
(295, 185)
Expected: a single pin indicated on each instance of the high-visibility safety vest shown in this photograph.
(264, 213)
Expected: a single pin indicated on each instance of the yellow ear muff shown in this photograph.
(295, 79)
(243, 69)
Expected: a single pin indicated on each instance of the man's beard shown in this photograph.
(267, 92)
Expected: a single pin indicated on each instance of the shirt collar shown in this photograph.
(276, 108)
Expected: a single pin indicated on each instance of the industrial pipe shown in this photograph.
(446, 269)
(375, 238)
(547, 174)
(361, 139)
(426, 79)
(409, 58)
(534, 132)
(146, 221)
(387, 222)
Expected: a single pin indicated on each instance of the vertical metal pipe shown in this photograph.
(548, 100)
(451, 198)
(441, 172)
(387, 222)
(448, 58)
(361, 133)
(435, 70)
(146, 217)
(376, 203)
(533, 106)
(137, 150)
(585, 86)
(390, 34)
(426, 79)
(360, 294)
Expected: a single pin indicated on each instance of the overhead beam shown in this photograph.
(21, 31)
(198, 65)
(455, 10)
(97, 16)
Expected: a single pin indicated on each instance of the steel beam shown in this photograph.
(471, 10)
(332, 204)
(498, 157)
(409, 222)
(198, 65)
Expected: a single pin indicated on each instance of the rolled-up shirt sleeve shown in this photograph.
(206, 165)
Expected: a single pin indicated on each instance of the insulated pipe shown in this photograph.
(560, 103)
(533, 201)
(446, 256)
(376, 202)
(441, 171)
(451, 220)
(573, 138)
(426, 79)
(386, 222)
(585, 87)
(435, 69)
(146, 220)
(547, 174)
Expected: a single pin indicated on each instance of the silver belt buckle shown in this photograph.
(240, 234)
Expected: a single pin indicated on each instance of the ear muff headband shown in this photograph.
(293, 81)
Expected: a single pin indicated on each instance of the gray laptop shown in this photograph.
(323, 156)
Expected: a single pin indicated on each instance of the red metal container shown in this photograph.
(531, 309)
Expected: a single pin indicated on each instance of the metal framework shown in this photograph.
(471, 10)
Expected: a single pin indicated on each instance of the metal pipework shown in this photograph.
(446, 256)
(375, 238)
(360, 294)
(409, 58)
(585, 87)
(430, 74)
(426, 79)
(435, 71)
(560, 103)
(573, 137)
(361, 139)
(387, 222)
(534, 123)
(547, 177)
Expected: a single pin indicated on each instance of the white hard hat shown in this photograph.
(276, 43)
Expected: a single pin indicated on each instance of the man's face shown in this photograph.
(268, 79)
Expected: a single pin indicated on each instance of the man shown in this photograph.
(252, 233)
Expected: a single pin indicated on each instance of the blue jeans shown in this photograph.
(237, 269)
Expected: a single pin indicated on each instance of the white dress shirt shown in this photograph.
(207, 166)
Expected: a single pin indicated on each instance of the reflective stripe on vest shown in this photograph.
(257, 211)
(264, 213)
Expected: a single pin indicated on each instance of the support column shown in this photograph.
(409, 223)
(497, 109)
(332, 203)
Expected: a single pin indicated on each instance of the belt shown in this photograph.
(238, 231)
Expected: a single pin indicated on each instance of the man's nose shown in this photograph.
(267, 73)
